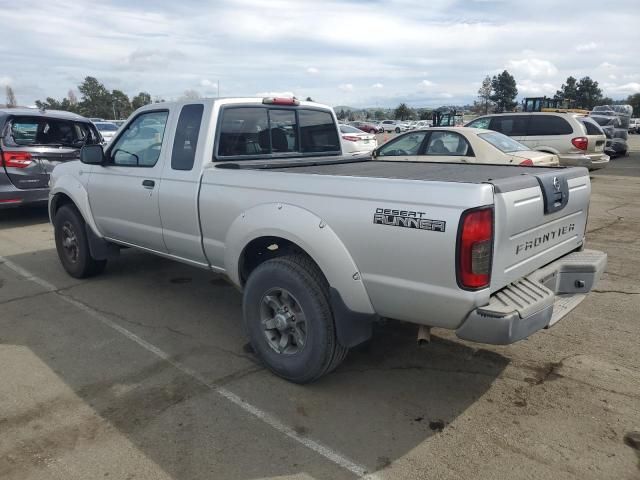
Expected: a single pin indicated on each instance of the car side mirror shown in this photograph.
(374, 153)
(92, 155)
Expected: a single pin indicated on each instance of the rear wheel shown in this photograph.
(397, 129)
(72, 244)
(289, 321)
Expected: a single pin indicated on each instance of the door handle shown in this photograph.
(148, 183)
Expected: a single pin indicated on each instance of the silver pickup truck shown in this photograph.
(322, 244)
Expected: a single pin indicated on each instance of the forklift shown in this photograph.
(447, 118)
(544, 104)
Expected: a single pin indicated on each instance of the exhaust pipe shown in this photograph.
(424, 335)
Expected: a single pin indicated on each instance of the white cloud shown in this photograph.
(612, 77)
(312, 70)
(276, 94)
(626, 89)
(205, 82)
(607, 65)
(346, 87)
(533, 67)
(446, 95)
(426, 84)
(377, 85)
(530, 87)
(586, 47)
(5, 80)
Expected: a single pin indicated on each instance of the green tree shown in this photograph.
(120, 104)
(378, 115)
(504, 91)
(402, 112)
(606, 101)
(568, 91)
(634, 101)
(484, 94)
(341, 114)
(140, 100)
(309, 99)
(425, 114)
(589, 94)
(96, 99)
(11, 98)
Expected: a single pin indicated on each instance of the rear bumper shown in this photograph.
(11, 196)
(591, 161)
(537, 301)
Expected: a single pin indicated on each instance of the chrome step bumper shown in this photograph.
(537, 301)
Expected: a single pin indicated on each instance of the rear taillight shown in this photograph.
(581, 143)
(281, 101)
(527, 162)
(15, 159)
(349, 138)
(475, 247)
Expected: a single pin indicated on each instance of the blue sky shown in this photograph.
(359, 53)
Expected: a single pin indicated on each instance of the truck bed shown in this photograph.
(504, 178)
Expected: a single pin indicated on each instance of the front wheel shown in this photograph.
(72, 244)
(289, 320)
(397, 130)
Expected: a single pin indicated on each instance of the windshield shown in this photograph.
(603, 121)
(106, 127)
(502, 142)
(32, 131)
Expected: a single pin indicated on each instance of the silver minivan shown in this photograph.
(574, 138)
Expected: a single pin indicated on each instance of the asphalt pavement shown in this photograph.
(143, 373)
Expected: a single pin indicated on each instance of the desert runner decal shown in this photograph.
(407, 219)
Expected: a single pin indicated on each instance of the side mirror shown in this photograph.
(374, 153)
(92, 155)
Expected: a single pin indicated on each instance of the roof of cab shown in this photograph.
(221, 101)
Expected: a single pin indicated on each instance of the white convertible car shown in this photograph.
(461, 144)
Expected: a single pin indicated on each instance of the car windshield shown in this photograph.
(349, 129)
(106, 127)
(502, 142)
(32, 131)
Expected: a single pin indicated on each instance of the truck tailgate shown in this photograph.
(537, 220)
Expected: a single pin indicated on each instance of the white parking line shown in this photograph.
(275, 423)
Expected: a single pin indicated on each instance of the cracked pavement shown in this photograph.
(80, 401)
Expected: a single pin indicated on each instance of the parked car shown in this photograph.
(117, 123)
(634, 125)
(574, 139)
(355, 141)
(460, 144)
(323, 244)
(32, 143)
(107, 130)
(422, 124)
(393, 126)
(369, 127)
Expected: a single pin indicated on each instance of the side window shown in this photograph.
(186, 139)
(405, 145)
(140, 144)
(511, 125)
(244, 131)
(318, 132)
(448, 143)
(548, 125)
(480, 123)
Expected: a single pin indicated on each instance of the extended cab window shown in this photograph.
(480, 123)
(262, 131)
(186, 139)
(139, 145)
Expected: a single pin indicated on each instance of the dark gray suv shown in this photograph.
(32, 143)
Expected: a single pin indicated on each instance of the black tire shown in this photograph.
(397, 129)
(302, 279)
(74, 255)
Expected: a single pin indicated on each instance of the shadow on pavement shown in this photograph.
(388, 397)
(16, 217)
